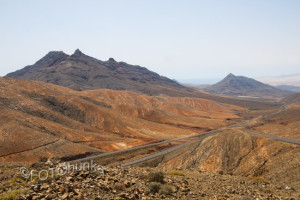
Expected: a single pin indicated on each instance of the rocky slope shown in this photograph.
(235, 151)
(233, 85)
(239, 153)
(139, 183)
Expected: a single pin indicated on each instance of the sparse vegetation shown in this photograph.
(120, 186)
(253, 109)
(19, 181)
(11, 195)
(155, 187)
(177, 173)
(4, 169)
(166, 190)
(259, 179)
(156, 177)
(43, 159)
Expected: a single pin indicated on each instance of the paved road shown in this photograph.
(156, 143)
(156, 154)
(283, 108)
(274, 137)
(184, 144)
(149, 145)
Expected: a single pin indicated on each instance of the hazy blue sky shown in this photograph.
(185, 39)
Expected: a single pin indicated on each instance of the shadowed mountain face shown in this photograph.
(81, 72)
(233, 85)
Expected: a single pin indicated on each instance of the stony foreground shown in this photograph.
(145, 183)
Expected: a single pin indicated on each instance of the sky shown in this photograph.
(187, 40)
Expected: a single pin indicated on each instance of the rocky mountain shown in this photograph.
(81, 72)
(233, 85)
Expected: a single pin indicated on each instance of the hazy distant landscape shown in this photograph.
(194, 100)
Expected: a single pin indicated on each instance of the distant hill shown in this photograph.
(293, 79)
(233, 85)
(81, 72)
(292, 98)
(288, 87)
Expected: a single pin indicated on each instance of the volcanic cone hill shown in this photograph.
(235, 86)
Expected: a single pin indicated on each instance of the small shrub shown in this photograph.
(156, 177)
(155, 187)
(4, 169)
(43, 159)
(4, 186)
(11, 195)
(37, 165)
(143, 177)
(120, 186)
(177, 173)
(19, 181)
(259, 179)
(166, 190)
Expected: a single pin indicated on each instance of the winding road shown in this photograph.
(283, 108)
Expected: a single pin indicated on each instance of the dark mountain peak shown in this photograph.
(77, 53)
(230, 76)
(51, 58)
(111, 60)
(55, 53)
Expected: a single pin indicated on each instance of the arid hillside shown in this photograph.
(236, 151)
(44, 120)
(292, 99)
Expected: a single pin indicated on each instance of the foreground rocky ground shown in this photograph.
(142, 183)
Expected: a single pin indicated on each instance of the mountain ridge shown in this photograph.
(82, 72)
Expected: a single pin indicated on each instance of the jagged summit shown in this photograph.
(82, 72)
(230, 76)
(112, 60)
(77, 53)
(52, 57)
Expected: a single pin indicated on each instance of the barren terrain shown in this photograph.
(44, 120)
